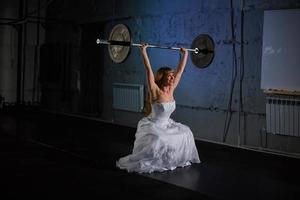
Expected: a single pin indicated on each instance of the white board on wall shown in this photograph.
(281, 50)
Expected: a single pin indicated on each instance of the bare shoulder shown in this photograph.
(155, 93)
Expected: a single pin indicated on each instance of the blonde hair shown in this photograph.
(160, 73)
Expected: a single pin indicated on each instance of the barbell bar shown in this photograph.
(202, 46)
(126, 43)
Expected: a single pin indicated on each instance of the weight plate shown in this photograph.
(118, 53)
(206, 46)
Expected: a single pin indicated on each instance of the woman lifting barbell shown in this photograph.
(161, 143)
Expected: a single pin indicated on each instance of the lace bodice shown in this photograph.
(162, 111)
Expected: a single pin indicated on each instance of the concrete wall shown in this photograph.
(203, 94)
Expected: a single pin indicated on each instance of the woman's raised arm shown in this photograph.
(149, 73)
(180, 67)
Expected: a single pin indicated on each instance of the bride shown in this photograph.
(161, 143)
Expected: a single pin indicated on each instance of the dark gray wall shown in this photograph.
(203, 96)
(20, 38)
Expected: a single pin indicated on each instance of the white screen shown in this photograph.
(281, 50)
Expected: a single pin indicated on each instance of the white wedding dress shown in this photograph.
(160, 143)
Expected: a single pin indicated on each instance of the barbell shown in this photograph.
(123, 43)
(119, 44)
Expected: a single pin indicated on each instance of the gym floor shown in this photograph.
(52, 156)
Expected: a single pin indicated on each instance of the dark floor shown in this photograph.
(51, 156)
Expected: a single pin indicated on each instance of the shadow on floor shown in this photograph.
(52, 156)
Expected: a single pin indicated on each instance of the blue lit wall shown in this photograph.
(203, 94)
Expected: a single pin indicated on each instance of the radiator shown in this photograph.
(283, 116)
(129, 97)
